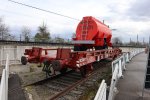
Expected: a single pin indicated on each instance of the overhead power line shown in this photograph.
(43, 10)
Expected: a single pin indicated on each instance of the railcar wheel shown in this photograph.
(48, 68)
(56, 65)
(23, 60)
(63, 70)
(83, 71)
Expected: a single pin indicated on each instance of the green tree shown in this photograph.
(43, 35)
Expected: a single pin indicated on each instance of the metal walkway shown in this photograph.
(131, 86)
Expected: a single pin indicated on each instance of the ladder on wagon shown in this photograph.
(84, 28)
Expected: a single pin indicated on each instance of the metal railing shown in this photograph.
(117, 69)
(134, 53)
(118, 66)
(4, 82)
(101, 93)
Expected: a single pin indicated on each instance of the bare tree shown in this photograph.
(4, 31)
(26, 32)
(59, 40)
(12, 37)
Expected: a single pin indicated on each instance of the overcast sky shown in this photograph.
(129, 17)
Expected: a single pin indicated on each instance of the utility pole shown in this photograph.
(149, 40)
(143, 40)
(20, 37)
(137, 39)
(130, 40)
(2, 36)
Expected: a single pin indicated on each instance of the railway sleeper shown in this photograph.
(66, 98)
(56, 85)
(81, 88)
(76, 92)
(64, 81)
(54, 88)
(68, 79)
(76, 74)
(73, 77)
(73, 95)
(60, 83)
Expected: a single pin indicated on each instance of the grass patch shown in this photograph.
(91, 91)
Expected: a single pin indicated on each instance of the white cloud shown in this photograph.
(114, 12)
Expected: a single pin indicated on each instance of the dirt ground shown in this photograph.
(28, 74)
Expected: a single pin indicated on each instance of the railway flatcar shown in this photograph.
(90, 33)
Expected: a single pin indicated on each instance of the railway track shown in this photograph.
(65, 87)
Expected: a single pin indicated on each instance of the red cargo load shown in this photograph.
(91, 32)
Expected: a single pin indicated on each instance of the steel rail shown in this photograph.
(68, 89)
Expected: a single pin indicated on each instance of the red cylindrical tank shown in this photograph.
(92, 32)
